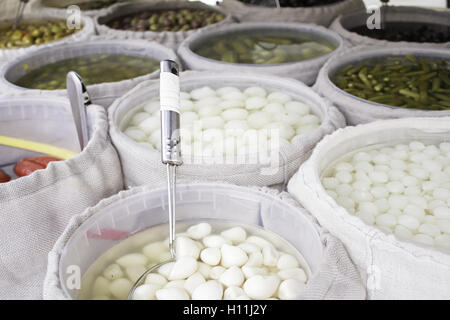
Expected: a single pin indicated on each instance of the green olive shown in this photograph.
(33, 33)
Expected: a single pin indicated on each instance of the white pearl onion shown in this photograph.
(233, 256)
(199, 231)
(251, 268)
(205, 108)
(145, 292)
(290, 289)
(210, 256)
(235, 235)
(404, 189)
(183, 268)
(261, 287)
(232, 277)
(100, 287)
(120, 288)
(209, 290)
(193, 282)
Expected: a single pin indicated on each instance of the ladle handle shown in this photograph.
(79, 99)
(170, 113)
(170, 136)
(19, 13)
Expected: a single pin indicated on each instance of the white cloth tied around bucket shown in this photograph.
(142, 165)
(36, 208)
(102, 93)
(357, 110)
(334, 275)
(344, 22)
(167, 38)
(392, 269)
(86, 31)
(305, 70)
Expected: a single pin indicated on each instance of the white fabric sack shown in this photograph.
(142, 165)
(334, 276)
(42, 15)
(102, 93)
(321, 15)
(305, 71)
(357, 110)
(392, 269)
(35, 209)
(344, 22)
(167, 38)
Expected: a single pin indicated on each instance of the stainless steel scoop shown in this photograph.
(79, 100)
(170, 149)
(19, 13)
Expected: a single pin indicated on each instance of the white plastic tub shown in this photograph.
(393, 268)
(357, 110)
(34, 209)
(135, 210)
(344, 22)
(142, 165)
(305, 71)
(101, 93)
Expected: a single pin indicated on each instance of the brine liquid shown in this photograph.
(258, 48)
(93, 69)
(135, 243)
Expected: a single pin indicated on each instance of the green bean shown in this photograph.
(408, 81)
(260, 48)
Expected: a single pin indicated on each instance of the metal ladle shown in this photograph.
(19, 13)
(79, 100)
(170, 149)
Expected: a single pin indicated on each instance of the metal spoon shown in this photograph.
(170, 149)
(79, 100)
(19, 13)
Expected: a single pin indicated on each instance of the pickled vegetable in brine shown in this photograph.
(402, 81)
(407, 31)
(33, 33)
(258, 48)
(93, 69)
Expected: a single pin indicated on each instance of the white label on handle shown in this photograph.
(169, 92)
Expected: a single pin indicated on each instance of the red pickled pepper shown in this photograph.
(27, 166)
(4, 177)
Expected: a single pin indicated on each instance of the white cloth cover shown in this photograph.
(321, 15)
(167, 38)
(334, 275)
(357, 110)
(142, 165)
(103, 93)
(9, 14)
(344, 22)
(35, 209)
(392, 269)
(305, 71)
